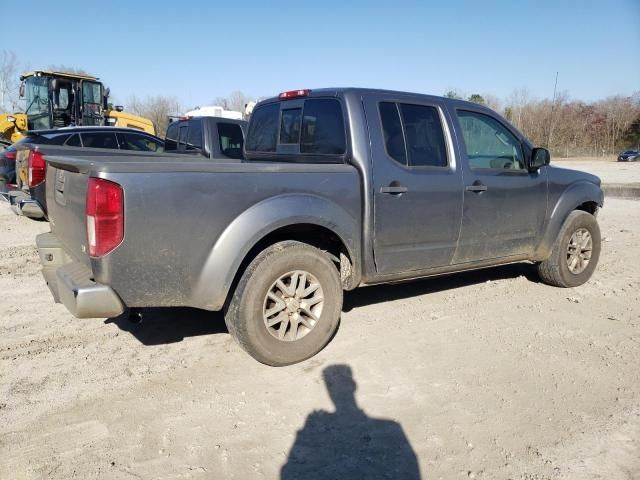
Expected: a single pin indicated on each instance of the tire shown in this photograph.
(556, 269)
(249, 310)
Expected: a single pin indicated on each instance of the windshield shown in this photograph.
(37, 102)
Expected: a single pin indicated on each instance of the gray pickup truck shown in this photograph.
(339, 188)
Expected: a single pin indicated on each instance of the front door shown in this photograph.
(417, 186)
(92, 102)
(504, 203)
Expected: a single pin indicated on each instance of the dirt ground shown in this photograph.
(488, 374)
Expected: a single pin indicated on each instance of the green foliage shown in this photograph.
(453, 94)
(477, 98)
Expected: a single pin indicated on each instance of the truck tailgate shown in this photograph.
(66, 192)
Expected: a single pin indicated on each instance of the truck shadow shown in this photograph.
(170, 325)
(383, 293)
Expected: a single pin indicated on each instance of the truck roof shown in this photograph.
(37, 73)
(339, 91)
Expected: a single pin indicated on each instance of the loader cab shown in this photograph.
(57, 100)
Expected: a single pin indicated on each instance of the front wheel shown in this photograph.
(575, 253)
(287, 304)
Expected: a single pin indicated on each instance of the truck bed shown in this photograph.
(194, 202)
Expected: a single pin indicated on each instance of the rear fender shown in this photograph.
(574, 196)
(231, 248)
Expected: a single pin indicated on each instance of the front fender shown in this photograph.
(574, 196)
(233, 245)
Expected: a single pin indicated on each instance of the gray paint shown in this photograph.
(189, 222)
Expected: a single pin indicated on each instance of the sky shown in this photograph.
(197, 50)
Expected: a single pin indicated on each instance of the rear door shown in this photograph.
(504, 203)
(417, 183)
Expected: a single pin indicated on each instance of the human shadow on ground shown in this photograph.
(361, 297)
(170, 325)
(348, 444)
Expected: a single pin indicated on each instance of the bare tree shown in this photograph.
(9, 82)
(235, 101)
(157, 109)
(65, 69)
(493, 102)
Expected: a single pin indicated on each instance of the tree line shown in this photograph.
(570, 127)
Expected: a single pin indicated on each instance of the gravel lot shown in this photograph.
(607, 168)
(488, 374)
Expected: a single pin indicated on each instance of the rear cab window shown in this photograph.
(231, 139)
(171, 139)
(185, 136)
(312, 129)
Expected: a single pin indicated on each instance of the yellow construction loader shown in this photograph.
(57, 100)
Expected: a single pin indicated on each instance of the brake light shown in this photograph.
(105, 216)
(10, 155)
(36, 168)
(294, 94)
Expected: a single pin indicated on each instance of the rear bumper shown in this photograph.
(23, 204)
(71, 282)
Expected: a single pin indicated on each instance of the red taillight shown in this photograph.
(36, 165)
(105, 216)
(10, 155)
(294, 94)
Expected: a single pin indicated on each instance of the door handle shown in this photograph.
(393, 189)
(477, 187)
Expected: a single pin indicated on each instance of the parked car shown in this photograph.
(629, 156)
(7, 169)
(24, 167)
(339, 188)
(211, 137)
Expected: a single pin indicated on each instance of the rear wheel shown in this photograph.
(575, 253)
(287, 304)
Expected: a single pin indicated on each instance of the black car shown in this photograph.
(629, 156)
(17, 190)
(95, 137)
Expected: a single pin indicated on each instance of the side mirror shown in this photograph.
(21, 92)
(539, 158)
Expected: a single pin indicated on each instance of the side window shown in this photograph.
(171, 140)
(230, 135)
(194, 136)
(392, 131)
(57, 139)
(322, 128)
(74, 141)
(489, 144)
(423, 136)
(140, 143)
(100, 140)
(413, 134)
(263, 129)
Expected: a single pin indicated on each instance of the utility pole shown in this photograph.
(553, 104)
